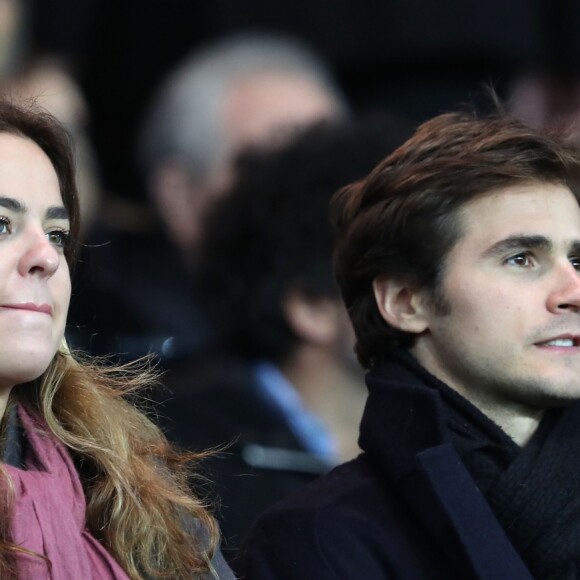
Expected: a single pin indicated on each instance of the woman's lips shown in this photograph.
(30, 306)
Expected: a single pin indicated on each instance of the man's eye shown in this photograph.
(575, 261)
(523, 260)
(5, 227)
(58, 238)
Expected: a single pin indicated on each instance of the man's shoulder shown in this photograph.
(347, 521)
(353, 501)
(355, 483)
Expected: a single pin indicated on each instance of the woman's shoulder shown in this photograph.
(220, 567)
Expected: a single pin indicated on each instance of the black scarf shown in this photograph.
(534, 491)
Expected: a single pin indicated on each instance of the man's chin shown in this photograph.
(551, 393)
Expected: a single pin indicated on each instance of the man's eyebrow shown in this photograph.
(519, 242)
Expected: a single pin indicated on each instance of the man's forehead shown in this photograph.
(527, 210)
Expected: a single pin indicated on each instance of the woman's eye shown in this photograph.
(58, 238)
(523, 260)
(575, 261)
(5, 227)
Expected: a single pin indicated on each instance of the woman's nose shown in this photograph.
(39, 257)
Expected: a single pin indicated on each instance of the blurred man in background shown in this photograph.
(281, 384)
(245, 90)
(136, 293)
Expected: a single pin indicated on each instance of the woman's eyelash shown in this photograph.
(4, 225)
(59, 238)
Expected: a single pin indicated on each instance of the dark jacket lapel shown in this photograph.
(404, 433)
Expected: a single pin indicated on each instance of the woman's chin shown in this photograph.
(17, 374)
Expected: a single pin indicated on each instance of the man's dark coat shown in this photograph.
(406, 508)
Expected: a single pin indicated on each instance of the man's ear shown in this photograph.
(401, 305)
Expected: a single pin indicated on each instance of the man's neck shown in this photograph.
(518, 421)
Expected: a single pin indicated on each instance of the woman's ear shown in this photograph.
(401, 305)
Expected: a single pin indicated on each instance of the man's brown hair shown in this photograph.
(402, 220)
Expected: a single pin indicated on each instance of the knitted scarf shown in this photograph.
(49, 513)
(534, 491)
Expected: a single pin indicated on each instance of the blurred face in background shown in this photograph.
(263, 109)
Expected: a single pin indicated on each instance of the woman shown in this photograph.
(89, 488)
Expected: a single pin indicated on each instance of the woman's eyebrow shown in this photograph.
(575, 247)
(12, 204)
(57, 212)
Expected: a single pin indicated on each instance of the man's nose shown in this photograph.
(39, 256)
(566, 293)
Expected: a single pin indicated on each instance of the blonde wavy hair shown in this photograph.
(139, 503)
(136, 483)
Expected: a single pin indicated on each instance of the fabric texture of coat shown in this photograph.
(406, 508)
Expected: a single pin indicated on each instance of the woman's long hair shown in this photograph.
(136, 484)
(139, 504)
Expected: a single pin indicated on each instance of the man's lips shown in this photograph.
(30, 306)
(560, 341)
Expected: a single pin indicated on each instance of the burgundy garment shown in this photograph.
(49, 513)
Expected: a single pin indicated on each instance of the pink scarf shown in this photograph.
(49, 514)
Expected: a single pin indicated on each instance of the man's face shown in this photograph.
(511, 335)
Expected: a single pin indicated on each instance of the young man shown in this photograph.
(458, 260)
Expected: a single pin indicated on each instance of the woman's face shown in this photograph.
(34, 275)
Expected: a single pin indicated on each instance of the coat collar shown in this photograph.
(404, 433)
(12, 451)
